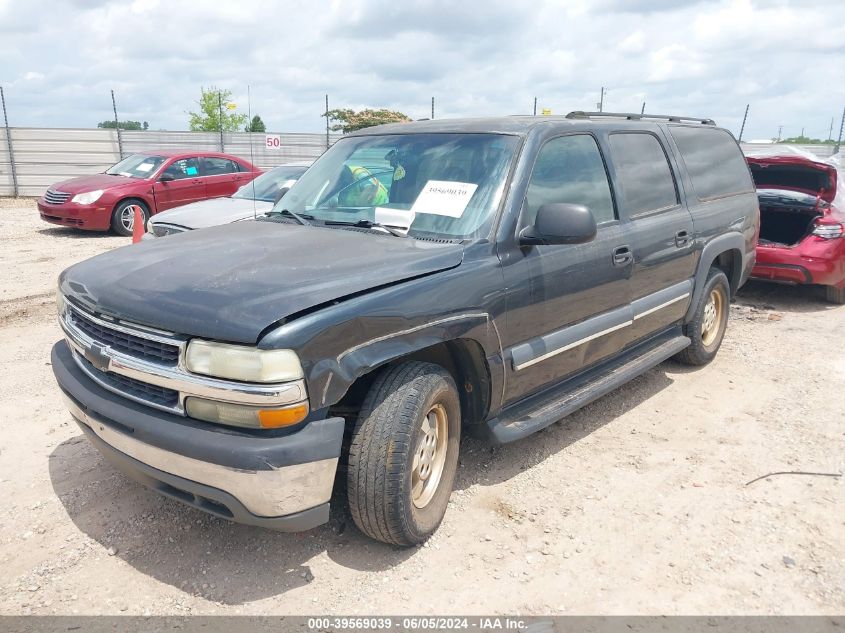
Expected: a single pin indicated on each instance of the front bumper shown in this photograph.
(91, 217)
(814, 260)
(280, 482)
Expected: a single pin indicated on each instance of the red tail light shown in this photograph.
(828, 230)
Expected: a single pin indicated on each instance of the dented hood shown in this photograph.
(231, 282)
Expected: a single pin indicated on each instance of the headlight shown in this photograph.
(89, 197)
(239, 362)
(61, 304)
(244, 415)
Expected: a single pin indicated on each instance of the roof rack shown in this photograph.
(634, 116)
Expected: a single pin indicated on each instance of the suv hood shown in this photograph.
(231, 282)
(94, 182)
(205, 213)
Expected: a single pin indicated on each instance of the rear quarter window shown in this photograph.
(713, 160)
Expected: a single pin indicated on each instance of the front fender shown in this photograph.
(330, 378)
(339, 343)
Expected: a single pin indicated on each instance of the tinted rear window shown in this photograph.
(715, 164)
(644, 173)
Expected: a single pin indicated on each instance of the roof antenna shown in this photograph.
(249, 136)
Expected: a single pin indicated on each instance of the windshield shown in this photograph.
(136, 166)
(432, 185)
(266, 187)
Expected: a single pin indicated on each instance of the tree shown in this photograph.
(123, 125)
(256, 125)
(213, 103)
(349, 120)
(806, 140)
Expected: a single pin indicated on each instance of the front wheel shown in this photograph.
(707, 327)
(123, 216)
(404, 453)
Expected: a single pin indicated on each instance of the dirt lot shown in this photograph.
(636, 504)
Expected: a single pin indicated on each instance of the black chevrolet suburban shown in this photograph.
(419, 282)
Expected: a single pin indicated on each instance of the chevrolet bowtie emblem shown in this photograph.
(96, 355)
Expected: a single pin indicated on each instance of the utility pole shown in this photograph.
(601, 100)
(9, 143)
(744, 119)
(117, 127)
(830, 132)
(535, 106)
(838, 140)
(327, 122)
(780, 129)
(642, 110)
(432, 108)
(220, 116)
(802, 132)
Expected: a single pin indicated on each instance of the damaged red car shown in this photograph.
(802, 219)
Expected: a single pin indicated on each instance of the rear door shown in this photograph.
(659, 227)
(222, 176)
(188, 184)
(567, 305)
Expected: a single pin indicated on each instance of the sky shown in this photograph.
(786, 58)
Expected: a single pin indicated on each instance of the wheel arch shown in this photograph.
(464, 358)
(141, 198)
(726, 253)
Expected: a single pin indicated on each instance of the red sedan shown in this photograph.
(802, 220)
(150, 182)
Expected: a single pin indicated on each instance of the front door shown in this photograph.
(187, 185)
(567, 305)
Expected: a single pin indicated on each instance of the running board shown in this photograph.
(551, 406)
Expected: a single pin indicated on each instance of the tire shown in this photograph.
(392, 497)
(834, 295)
(706, 333)
(122, 218)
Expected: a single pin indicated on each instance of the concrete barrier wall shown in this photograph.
(44, 156)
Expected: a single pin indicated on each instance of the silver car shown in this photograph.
(254, 198)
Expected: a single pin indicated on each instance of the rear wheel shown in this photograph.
(404, 453)
(123, 216)
(834, 294)
(707, 327)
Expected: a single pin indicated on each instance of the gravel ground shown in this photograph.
(637, 504)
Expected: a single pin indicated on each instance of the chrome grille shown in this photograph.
(56, 197)
(135, 389)
(125, 342)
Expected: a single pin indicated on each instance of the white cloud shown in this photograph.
(698, 57)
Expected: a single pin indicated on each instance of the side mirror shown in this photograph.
(281, 194)
(560, 223)
(165, 177)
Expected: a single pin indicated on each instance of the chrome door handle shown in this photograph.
(622, 256)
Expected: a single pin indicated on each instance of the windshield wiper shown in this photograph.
(366, 224)
(302, 219)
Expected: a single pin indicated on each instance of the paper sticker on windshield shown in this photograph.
(396, 218)
(144, 167)
(443, 197)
